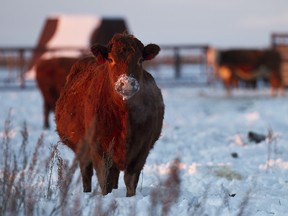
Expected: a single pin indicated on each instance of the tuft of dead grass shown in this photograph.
(29, 179)
(164, 196)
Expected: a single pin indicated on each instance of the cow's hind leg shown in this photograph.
(46, 110)
(112, 177)
(87, 173)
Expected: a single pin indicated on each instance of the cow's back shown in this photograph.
(238, 57)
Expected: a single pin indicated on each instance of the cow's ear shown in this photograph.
(100, 52)
(150, 51)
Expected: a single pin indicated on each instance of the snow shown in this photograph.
(80, 27)
(219, 168)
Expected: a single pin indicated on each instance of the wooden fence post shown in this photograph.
(21, 68)
(177, 62)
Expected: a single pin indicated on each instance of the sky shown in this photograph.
(219, 23)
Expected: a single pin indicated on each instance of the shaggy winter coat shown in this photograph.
(110, 112)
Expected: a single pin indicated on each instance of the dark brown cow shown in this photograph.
(249, 65)
(51, 76)
(110, 112)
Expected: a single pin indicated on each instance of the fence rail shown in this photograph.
(18, 60)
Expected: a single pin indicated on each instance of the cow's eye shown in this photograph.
(110, 60)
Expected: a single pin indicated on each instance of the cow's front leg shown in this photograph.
(86, 166)
(131, 181)
(86, 172)
(107, 174)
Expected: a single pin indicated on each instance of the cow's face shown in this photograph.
(124, 56)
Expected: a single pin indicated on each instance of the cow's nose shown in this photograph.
(122, 83)
(126, 86)
(133, 83)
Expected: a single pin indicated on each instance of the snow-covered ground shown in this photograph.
(221, 171)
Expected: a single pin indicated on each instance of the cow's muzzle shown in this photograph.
(126, 86)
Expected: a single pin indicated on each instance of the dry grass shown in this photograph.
(33, 184)
(163, 197)
(271, 146)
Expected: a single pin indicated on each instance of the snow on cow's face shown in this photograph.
(126, 86)
(124, 55)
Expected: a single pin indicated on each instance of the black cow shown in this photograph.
(249, 65)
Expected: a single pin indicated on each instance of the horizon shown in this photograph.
(222, 24)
